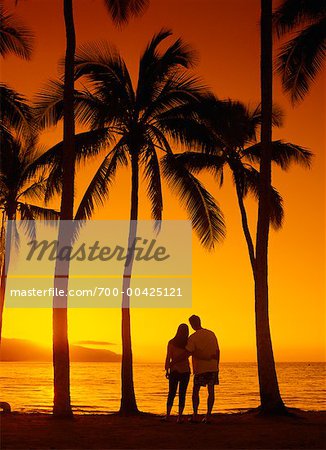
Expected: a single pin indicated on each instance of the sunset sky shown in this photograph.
(225, 33)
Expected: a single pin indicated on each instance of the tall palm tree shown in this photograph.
(61, 358)
(142, 121)
(302, 57)
(15, 38)
(270, 397)
(230, 141)
(120, 11)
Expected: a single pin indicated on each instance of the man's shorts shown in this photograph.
(206, 379)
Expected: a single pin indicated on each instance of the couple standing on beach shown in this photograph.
(203, 347)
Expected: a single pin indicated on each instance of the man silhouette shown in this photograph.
(205, 352)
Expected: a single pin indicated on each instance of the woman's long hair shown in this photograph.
(181, 338)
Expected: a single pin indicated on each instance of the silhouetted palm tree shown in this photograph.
(20, 183)
(120, 11)
(230, 141)
(270, 397)
(14, 37)
(302, 57)
(141, 121)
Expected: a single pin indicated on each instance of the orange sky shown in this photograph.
(226, 35)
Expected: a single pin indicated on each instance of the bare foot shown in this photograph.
(194, 418)
(166, 419)
(206, 419)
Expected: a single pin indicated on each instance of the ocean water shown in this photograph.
(95, 387)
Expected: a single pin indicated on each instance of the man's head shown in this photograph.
(195, 322)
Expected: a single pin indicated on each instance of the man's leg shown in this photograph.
(182, 393)
(195, 400)
(210, 399)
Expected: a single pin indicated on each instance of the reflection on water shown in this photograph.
(95, 387)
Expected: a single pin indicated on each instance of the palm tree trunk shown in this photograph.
(271, 401)
(128, 405)
(245, 225)
(6, 257)
(61, 361)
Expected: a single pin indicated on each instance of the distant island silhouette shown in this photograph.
(24, 350)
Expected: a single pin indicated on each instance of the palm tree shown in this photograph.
(270, 397)
(16, 135)
(20, 184)
(120, 11)
(61, 359)
(302, 57)
(230, 141)
(141, 121)
(17, 39)
(14, 37)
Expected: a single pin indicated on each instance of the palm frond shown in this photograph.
(195, 162)
(54, 182)
(121, 11)
(48, 110)
(283, 154)
(27, 222)
(204, 213)
(98, 189)
(30, 213)
(249, 177)
(15, 112)
(187, 131)
(87, 144)
(15, 38)
(301, 59)
(176, 93)
(108, 75)
(41, 213)
(15, 239)
(35, 191)
(49, 104)
(155, 66)
(293, 13)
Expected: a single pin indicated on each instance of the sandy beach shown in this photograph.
(247, 430)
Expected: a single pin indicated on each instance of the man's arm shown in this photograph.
(218, 356)
(189, 350)
(182, 356)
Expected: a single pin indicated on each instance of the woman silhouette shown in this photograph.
(178, 372)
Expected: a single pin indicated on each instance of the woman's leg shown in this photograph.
(173, 386)
(184, 381)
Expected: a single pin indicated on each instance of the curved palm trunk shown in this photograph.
(271, 400)
(245, 225)
(6, 256)
(128, 405)
(61, 362)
